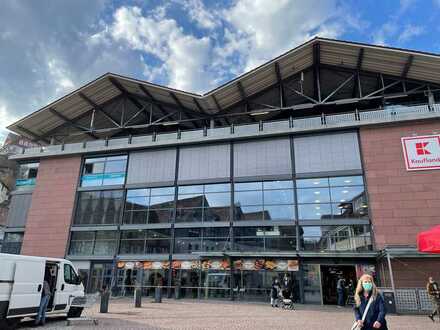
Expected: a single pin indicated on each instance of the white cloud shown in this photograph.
(272, 29)
(183, 56)
(410, 31)
(61, 76)
(6, 118)
(381, 36)
(198, 13)
(390, 30)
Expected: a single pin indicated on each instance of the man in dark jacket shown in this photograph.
(434, 294)
(274, 293)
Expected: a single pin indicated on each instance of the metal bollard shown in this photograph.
(158, 295)
(105, 297)
(177, 292)
(137, 298)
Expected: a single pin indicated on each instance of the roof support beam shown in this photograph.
(132, 99)
(407, 66)
(219, 108)
(99, 108)
(316, 71)
(182, 108)
(338, 88)
(375, 74)
(357, 87)
(280, 85)
(73, 124)
(381, 90)
(152, 99)
(303, 95)
(35, 136)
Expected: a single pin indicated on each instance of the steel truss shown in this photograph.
(154, 114)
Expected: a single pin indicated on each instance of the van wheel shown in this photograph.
(74, 312)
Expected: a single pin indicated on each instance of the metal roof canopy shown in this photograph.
(408, 64)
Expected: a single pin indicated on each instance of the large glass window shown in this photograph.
(145, 241)
(274, 238)
(269, 200)
(12, 243)
(151, 205)
(189, 240)
(104, 171)
(336, 238)
(331, 198)
(98, 243)
(204, 203)
(99, 207)
(26, 175)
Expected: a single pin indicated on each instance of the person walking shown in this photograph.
(340, 288)
(369, 309)
(434, 294)
(274, 291)
(45, 297)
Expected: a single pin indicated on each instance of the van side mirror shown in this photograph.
(78, 280)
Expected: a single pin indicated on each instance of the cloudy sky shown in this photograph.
(50, 47)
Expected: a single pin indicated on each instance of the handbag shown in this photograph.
(355, 324)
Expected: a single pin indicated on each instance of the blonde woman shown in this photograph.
(375, 316)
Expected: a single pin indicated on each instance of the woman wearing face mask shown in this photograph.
(374, 318)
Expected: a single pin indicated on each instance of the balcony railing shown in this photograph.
(352, 119)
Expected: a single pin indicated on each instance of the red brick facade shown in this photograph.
(402, 203)
(48, 223)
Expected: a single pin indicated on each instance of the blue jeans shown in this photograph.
(341, 297)
(41, 317)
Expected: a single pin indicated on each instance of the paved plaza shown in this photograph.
(187, 314)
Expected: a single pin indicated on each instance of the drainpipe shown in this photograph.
(390, 268)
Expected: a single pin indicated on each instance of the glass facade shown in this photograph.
(26, 175)
(331, 198)
(102, 207)
(265, 201)
(96, 243)
(269, 239)
(317, 199)
(104, 171)
(336, 238)
(151, 205)
(188, 240)
(204, 203)
(145, 241)
(316, 214)
(12, 243)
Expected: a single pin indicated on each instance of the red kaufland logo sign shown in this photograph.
(422, 152)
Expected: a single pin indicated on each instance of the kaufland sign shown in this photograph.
(421, 152)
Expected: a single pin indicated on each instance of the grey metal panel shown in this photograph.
(327, 153)
(210, 162)
(18, 210)
(262, 158)
(151, 166)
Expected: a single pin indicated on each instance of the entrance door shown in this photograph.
(329, 281)
(100, 274)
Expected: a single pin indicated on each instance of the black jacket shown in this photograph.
(274, 290)
(376, 312)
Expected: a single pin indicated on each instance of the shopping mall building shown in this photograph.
(324, 161)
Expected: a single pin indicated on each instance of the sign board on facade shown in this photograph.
(421, 152)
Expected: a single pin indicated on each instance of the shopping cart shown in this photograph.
(85, 302)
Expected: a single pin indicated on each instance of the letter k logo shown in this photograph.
(421, 148)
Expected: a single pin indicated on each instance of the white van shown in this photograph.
(21, 285)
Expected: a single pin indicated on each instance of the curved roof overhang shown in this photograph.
(418, 66)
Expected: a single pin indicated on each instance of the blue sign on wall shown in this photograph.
(25, 182)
